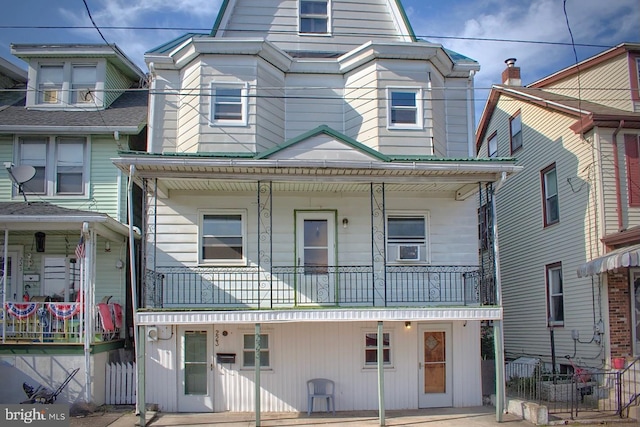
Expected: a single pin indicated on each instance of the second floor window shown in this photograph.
(550, 192)
(404, 108)
(50, 78)
(492, 145)
(228, 104)
(66, 84)
(515, 132)
(555, 295)
(407, 238)
(60, 164)
(314, 16)
(222, 238)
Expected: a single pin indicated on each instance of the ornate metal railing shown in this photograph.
(290, 286)
(57, 322)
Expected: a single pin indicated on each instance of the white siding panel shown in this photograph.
(270, 106)
(322, 147)
(301, 351)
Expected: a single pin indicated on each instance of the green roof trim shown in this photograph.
(327, 131)
(221, 12)
(190, 155)
(406, 20)
(168, 46)
(416, 158)
(458, 57)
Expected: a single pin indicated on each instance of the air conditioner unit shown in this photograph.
(152, 333)
(408, 253)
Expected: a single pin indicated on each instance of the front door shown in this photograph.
(195, 390)
(14, 285)
(435, 366)
(315, 258)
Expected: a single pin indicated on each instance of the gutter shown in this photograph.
(125, 130)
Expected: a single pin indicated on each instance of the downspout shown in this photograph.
(470, 115)
(140, 397)
(4, 284)
(152, 109)
(498, 337)
(89, 306)
(616, 169)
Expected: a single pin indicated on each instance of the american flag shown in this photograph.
(80, 248)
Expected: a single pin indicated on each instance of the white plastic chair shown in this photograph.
(321, 388)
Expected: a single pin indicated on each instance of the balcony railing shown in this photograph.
(294, 286)
(56, 322)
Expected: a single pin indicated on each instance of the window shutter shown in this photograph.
(633, 169)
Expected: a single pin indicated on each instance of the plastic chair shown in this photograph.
(321, 388)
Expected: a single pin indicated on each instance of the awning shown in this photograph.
(619, 258)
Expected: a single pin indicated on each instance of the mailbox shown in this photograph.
(226, 357)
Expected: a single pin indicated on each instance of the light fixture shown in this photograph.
(345, 222)
(407, 325)
(107, 246)
(40, 239)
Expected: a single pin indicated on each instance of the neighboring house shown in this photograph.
(310, 180)
(569, 224)
(63, 209)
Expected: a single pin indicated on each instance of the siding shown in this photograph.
(114, 84)
(361, 114)
(104, 183)
(526, 247)
(163, 117)
(6, 155)
(277, 21)
(630, 215)
(270, 106)
(453, 238)
(301, 351)
(606, 83)
(457, 140)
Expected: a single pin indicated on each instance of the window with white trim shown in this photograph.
(222, 238)
(550, 199)
(515, 132)
(67, 84)
(555, 295)
(404, 108)
(228, 104)
(492, 145)
(407, 238)
(249, 351)
(371, 348)
(61, 165)
(314, 16)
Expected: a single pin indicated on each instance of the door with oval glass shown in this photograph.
(195, 392)
(315, 257)
(435, 376)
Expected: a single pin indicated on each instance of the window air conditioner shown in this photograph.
(408, 253)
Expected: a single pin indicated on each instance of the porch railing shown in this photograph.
(289, 286)
(53, 322)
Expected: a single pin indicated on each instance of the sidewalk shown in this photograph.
(441, 417)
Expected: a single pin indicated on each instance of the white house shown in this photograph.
(310, 180)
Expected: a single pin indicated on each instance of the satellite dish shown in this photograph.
(22, 174)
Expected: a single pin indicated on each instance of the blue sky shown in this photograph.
(460, 22)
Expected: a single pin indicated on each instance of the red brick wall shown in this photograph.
(619, 313)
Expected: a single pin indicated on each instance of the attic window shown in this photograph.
(67, 84)
(314, 16)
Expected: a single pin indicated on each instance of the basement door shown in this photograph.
(435, 370)
(195, 350)
(315, 258)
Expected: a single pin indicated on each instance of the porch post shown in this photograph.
(257, 372)
(498, 339)
(381, 373)
(378, 245)
(4, 285)
(140, 368)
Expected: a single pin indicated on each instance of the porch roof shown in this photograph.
(619, 258)
(317, 315)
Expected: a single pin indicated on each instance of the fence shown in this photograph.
(120, 384)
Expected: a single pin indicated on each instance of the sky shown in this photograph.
(535, 32)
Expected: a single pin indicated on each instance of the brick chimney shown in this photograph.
(511, 74)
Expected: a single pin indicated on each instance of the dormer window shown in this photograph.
(314, 16)
(67, 85)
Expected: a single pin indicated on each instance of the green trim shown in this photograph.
(221, 12)
(166, 47)
(58, 349)
(406, 20)
(327, 131)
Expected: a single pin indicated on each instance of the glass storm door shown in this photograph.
(195, 392)
(14, 290)
(435, 366)
(315, 243)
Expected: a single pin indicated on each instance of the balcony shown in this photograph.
(57, 323)
(317, 286)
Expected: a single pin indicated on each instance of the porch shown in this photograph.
(299, 286)
(58, 323)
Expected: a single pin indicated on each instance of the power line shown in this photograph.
(284, 32)
(86, 6)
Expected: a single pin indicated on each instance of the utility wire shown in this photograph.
(86, 6)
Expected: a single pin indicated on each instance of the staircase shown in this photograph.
(628, 390)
